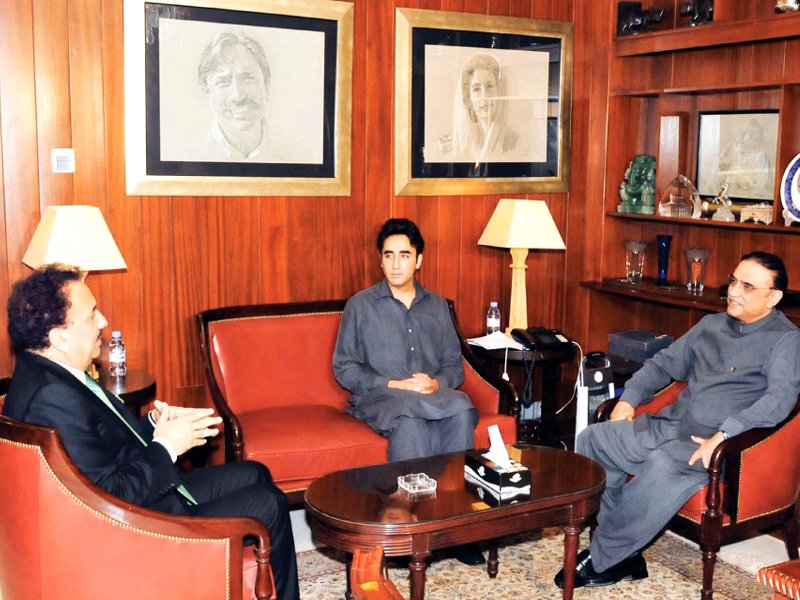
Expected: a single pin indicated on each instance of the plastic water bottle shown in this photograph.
(116, 355)
(493, 318)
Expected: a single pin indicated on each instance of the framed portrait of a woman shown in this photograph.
(482, 104)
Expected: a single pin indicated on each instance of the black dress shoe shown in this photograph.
(469, 554)
(634, 567)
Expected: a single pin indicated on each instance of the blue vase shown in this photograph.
(664, 242)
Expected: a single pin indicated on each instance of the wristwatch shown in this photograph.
(725, 435)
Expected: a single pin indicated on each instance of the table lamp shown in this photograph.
(520, 225)
(74, 235)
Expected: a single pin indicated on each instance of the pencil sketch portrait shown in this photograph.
(738, 150)
(239, 93)
(485, 105)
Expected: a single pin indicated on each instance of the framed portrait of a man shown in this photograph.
(238, 97)
(482, 103)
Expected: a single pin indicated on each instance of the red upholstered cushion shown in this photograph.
(277, 361)
(783, 579)
(694, 507)
(300, 443)
(507, 424)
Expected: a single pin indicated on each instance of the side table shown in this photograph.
(136, 389)
(540, 431)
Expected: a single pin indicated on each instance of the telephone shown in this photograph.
(538, 338)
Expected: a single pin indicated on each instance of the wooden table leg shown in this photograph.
(348, 593)
(571, 534)
(416, 572)
(493, 564)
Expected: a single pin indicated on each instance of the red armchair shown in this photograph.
(270, 377)
(63, 537)
(753, 486)
(783, 579)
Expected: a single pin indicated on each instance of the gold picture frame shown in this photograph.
(238, 97)
(526, 148)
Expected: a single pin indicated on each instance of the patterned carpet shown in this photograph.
(528, 563)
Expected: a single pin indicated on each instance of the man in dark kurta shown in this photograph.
(398, 353)
(743, 371)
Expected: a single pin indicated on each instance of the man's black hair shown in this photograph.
(772, 263)
(38, 304)
(401, 227)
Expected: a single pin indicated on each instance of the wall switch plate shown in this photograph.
(63, 160)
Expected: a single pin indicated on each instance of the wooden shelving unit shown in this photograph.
(747, 59)
(743, 31)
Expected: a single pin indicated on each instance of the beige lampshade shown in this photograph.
(519, 223)
(74, 235)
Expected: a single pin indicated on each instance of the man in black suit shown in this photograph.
(55, 327)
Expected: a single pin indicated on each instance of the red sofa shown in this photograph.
(269, 374)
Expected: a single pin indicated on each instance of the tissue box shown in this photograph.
(637, 344)
(491, 498)
(501, 482)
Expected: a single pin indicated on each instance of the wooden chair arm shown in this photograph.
(603, 412)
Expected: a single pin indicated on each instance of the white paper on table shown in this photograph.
(495, 341)
(497, 449)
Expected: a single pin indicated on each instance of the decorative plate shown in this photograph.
(790, 189)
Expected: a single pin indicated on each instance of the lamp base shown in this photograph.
(518, 313)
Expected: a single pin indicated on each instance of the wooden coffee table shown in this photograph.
(361, 508)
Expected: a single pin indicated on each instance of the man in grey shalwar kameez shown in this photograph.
(743, 371)
(398, 353)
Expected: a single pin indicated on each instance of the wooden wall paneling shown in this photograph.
(301, 260)
(6, 359)
(353, 239)
(379, 122)
(239, 238)
(452, 263)
(499, 7)
(427, 210)
(494, 262)
(158, 293)
(51, 50)
(197, 278)
(275, 247)
(472, 289)
(121, 292)
(325, 251)
(480, 7)
(587, 202)
(18, 127)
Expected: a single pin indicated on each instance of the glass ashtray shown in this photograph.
(416, 483)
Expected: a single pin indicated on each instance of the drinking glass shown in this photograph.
(634, 260)
(696, 268)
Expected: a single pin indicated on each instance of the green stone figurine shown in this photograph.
(638, 188)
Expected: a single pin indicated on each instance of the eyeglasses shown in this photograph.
(746, 287)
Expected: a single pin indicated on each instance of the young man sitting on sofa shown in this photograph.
(399, 355)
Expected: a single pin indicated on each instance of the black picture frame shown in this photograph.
(296, 101)
(531, 62)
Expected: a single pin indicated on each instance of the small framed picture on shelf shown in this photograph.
(737, 149)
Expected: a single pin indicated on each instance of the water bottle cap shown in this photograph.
(493, 304)
(116, 334)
